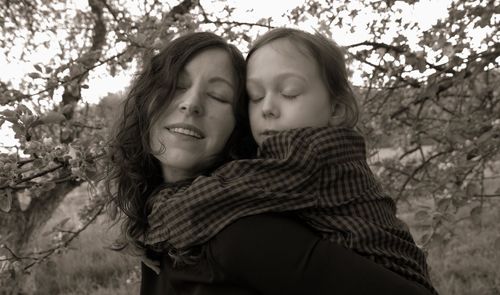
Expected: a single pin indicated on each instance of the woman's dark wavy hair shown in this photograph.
(133, 173)
(330, 60)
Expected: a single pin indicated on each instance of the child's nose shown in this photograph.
(269, 107)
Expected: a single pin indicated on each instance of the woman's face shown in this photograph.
(198, 122)
(286, 90)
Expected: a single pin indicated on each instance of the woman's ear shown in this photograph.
(338, 115)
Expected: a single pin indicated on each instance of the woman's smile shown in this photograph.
(185, 130)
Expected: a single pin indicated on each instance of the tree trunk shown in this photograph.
(19, 226)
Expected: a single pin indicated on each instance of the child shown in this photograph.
(311, 162)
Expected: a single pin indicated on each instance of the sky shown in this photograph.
(425, 12)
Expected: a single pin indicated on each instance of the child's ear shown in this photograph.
(338, 114)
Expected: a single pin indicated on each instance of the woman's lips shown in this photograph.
(186, 130)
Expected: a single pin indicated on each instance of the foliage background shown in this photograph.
(429, 98)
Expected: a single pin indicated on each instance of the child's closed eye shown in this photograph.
(255, 96)
(291, 91)
(289, 95)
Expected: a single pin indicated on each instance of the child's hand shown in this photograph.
(153, 264)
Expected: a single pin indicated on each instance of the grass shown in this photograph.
(89, 268)
(466, 260)
(469, 262)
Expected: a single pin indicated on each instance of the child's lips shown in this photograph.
(268, 132)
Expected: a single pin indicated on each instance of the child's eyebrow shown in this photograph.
(279, 77)
(286, 75)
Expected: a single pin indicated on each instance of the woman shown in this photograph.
(184, 116)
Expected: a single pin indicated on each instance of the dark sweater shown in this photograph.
(274, 254)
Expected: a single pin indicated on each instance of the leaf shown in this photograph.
(47, 186)
(72, 152)
(47, 233)
(52, 117)
(84, 86)
(431, 90)
(421, 65)
(6, 200)
(38, 68)
(34, 75)
(424, 238)
(472, 189)
(443, 204)
(24, 200)
(38, 163)
(422, 215)
(62, 222)
(497, 245)
(437, 240)
(67, 109)
(75, 70)
(8, 113)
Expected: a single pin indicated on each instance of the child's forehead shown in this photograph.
(290, 47)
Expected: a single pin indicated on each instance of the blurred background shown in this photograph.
(426, 75)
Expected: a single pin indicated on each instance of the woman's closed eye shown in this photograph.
(218, 97)
(181, 87)
(256, 98)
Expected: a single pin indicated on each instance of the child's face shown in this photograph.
(197, 123)
(286, 90)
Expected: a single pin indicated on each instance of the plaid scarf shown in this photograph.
(320, 174)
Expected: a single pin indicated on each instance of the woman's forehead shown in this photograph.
(214, 60)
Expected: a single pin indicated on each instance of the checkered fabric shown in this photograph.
(319, 174)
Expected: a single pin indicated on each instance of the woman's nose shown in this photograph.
(270, 108)
(191, 103)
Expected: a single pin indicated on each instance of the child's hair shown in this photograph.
(133, 173)
(330, 60)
